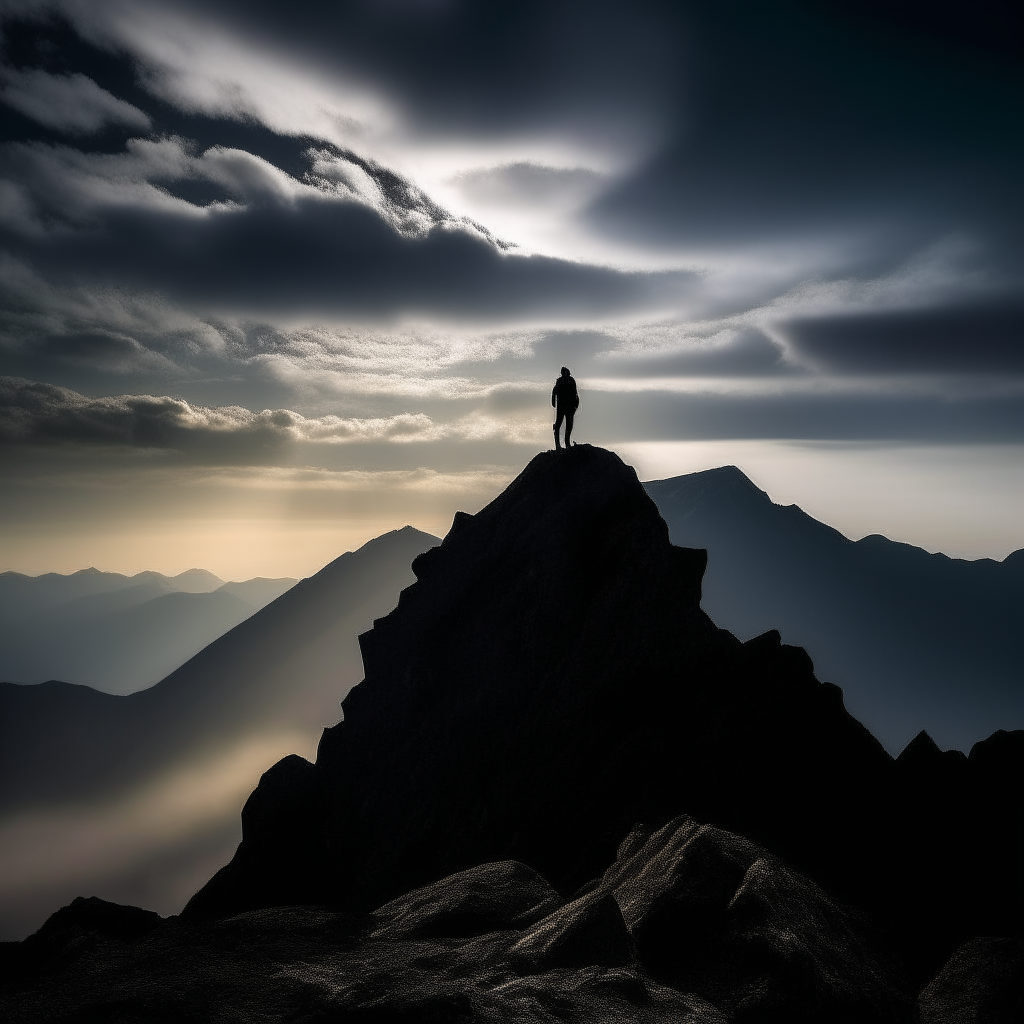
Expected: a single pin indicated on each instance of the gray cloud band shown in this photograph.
(33, 414)
(330, 258)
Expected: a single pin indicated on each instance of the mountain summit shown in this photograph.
(550, 683)
(562, 792)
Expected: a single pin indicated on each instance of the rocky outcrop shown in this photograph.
(714, 913)
(489, 897)
(688, 924)
(982, 983)
(550, 681)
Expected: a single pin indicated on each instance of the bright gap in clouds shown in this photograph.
(966, 501)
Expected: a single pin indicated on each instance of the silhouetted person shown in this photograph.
(566, 400)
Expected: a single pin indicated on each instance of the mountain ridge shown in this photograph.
(916, 639)
(117, 633)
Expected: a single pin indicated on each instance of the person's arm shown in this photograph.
(554, 392)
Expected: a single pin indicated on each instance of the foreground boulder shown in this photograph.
(712, 912)
(981, 983)
(490, 897)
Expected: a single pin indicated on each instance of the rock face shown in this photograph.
(982, 983)
(550, 681)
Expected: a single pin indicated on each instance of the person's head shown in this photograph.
(565, 371)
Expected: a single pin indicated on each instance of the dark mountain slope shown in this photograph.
(550, 681)
(916, 640)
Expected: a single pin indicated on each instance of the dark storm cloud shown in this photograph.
(607, 416)
(802, 117)
(492, 66)
(71, 103)
(322, 257)
(867, 133)
(276, 252)
(35, 413)
(747, 352)
(982, 339)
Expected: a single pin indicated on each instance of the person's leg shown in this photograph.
(568, 427)
(557, 426)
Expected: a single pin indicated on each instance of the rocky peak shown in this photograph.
(549, 683)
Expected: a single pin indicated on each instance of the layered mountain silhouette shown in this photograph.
(117, 633)
(274, 680)
(562, 792)
(551, 681)
(916, 640)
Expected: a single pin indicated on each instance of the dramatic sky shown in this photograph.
(276, 277)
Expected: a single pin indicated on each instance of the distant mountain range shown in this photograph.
(136, 797)
(916, 640)
(117, 633)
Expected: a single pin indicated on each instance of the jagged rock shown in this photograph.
(587, 931)
(79, 927)
(310, 965)
(91, 914)
(922, 758)
(981, 983)
(280, 816)
(714, 913)
(482, 899)
(550, 680)
(711, 928)
(957, 843)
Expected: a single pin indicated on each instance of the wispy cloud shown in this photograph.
(72, 103)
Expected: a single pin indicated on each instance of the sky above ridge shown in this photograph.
(275, 278)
